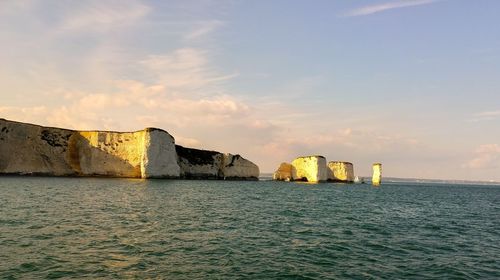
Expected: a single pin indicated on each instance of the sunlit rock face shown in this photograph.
(283, 173)
(340, 171)
(377, 174)
(309, 168)
(235, 167)
(202, 164)
(159, 159)
(32, 149)
(39, 150)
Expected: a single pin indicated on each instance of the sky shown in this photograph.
(414, 84)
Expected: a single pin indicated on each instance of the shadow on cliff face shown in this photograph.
(102, 158)
(199, 164)
(27, 149)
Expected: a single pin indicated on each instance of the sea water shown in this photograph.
(174, 229)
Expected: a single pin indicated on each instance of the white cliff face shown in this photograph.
(283, 173)
(31, 149)
(202, 164)
(340, 171)
(311, 168)
(99, 153)
(159, 159)
(199, 164)
(236, 167)
(377, 174)
(63, 152)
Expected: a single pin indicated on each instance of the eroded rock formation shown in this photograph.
(284, 172)
(27, 149)
(340, 171)
(309, 168)
(235, 167)
(377, 174)
(203, 164)
(314, 169)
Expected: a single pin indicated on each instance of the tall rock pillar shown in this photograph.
(377, 174)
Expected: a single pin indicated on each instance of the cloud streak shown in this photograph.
(104, 15)
(486, 157)
(373, 9)
(204, 28)
(485, 116)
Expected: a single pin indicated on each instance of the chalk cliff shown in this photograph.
(27, 149)
(340, 171)
(37, 150)
(235, 167)
(203, 164)
(310, 169)
(283, 173)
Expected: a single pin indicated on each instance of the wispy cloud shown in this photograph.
(485, 116)
(204, 28)
(487, 156)
(104, 15)
(377, 8)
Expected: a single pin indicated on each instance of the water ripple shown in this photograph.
(163, 229)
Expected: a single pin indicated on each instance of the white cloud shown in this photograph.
(377, 8)
(486, 157)
(489, 114)
(202, 30)
(23, 114)
(13, 7)
(188, 142)
(485, 116)
(185, 68)
(103, 15)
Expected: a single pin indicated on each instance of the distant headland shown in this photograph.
(28, 149)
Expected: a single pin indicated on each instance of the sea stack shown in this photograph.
(314, 169)
(377, 174)
(284, 172)
(340, 171)
(310, 169)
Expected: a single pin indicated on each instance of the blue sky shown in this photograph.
(410, 83)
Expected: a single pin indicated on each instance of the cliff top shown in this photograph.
(311, 156)
(339, 161)
(147, 129)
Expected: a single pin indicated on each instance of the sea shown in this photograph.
(97, 228)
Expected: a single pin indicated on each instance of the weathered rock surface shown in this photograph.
(235, 167)
(199, 164)
(28, 149)
(340, 171)
(309, 168)
(203, 164)
(283, 173)
(377, 174)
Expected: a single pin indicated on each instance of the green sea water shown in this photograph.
(76, 228)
